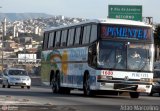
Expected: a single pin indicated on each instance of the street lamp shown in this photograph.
(2, 44)
(4, 34)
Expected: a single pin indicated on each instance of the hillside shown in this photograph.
(22, 16)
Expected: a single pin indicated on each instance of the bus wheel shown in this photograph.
(3, 86)
(151, 94)
(134, 94)
(8, 85)
(86, 86)
(55, 84)
(66, 90)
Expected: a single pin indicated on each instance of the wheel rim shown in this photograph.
(86, 86)
(8, 84)
(55, 86)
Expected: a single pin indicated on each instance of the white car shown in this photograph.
(16, 77)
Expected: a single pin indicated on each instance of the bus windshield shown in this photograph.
(125, 56)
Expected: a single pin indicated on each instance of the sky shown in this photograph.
(89, 9)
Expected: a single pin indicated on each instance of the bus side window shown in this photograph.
(57, 38)
(86, 34)
(57, 44)
(77, 36)
(45, 41)
(71, 35)
(51, 40)
(64, 37)
(93, 33)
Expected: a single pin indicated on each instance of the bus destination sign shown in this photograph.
(126, 32)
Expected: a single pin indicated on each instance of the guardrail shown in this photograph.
(17, 61)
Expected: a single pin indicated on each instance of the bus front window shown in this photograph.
(112, 55)
(124, 56)
(139, 57)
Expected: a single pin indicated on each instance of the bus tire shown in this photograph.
(86, 86)
(134, 94)
(3, 86)
(65, 90)
(68, 91)
(56, 83)
(9, 86)
(151, 94)
(51, 76)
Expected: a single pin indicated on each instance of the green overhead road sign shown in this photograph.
(130, 12)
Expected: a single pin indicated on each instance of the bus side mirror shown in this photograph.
(92, 55)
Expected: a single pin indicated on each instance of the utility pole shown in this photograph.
(2, 44)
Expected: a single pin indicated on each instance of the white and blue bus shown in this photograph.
(99, 56)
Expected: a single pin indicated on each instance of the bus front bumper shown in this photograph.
(130, 86)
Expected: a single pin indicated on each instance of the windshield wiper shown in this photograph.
(142, 68)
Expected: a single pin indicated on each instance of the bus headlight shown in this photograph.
(146, 80)
(109, 77)
(99, 77)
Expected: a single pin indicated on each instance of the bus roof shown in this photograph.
(106, 21)
(125, 22)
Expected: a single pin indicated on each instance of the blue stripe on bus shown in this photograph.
(77, 79)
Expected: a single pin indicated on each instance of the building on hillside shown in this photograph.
(9, 44)
(4, 27)
(38, 31)
(25, 40)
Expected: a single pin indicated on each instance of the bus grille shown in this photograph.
(125, 87)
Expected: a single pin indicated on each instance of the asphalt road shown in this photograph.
(42, 99)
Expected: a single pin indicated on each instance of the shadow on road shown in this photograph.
(38, 91)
